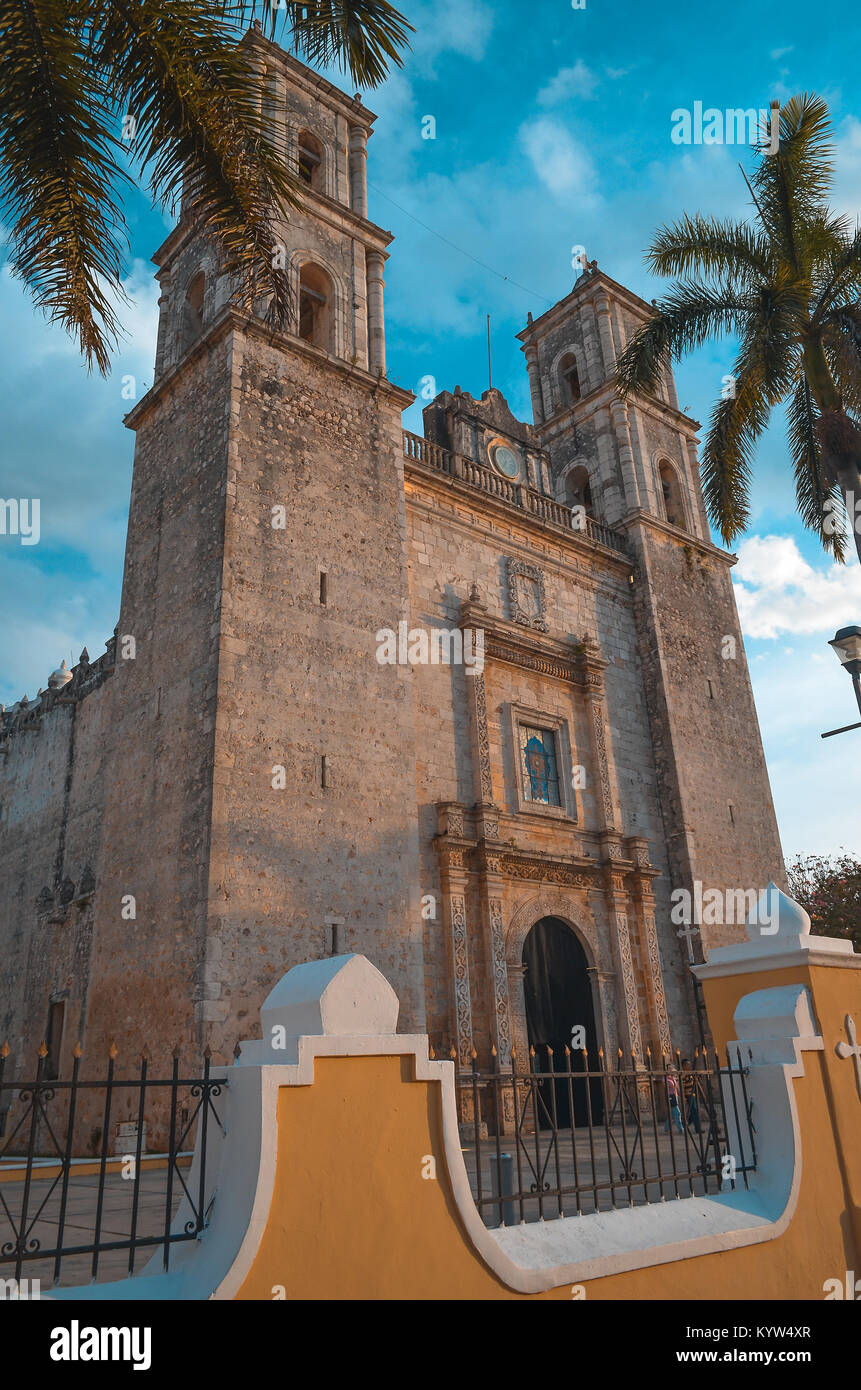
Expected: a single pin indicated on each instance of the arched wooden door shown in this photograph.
(558, 996)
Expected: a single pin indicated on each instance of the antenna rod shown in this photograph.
(489, 375)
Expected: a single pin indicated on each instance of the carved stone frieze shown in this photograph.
(502, 1027)
(460, 968)
(656, 977)
(481, 738)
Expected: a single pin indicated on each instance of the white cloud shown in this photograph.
(558, 160)
(64, 443)
(847, 167)
(777, 53)
(451, 26)
(799, 697)
(576, 81)
(777, 591)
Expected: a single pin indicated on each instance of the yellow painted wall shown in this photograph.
(352, 1217)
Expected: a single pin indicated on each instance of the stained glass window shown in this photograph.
(538, 765)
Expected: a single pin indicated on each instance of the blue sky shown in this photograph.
(549, 134)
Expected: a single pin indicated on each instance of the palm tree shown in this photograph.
(786, 282)
(93, 88)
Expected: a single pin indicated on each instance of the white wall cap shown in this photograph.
(784, 1011)
(337, 996)
(776, 926)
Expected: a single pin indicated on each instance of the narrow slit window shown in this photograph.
(324, 588)
(53, 1042)
(324, 772)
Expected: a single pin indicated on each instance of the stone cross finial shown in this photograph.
(852, 1049)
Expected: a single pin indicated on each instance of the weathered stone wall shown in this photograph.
(452, 546)
(148, 969)
(52, 774)
(299, 681)
(707, 741)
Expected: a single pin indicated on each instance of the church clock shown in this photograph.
(505, 461)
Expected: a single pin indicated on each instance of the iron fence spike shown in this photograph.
(113, 1050)
(5, 1049)
(77, 1050)
(42, 1050)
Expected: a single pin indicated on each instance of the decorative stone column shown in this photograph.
(629, 1020)
(494, 928)
(625, 453)
(531, 353)
(591, 667)
(605, 333)
(516, 971)
(645, 907)
(163, 323)
(606, 1014)
(474, 617)
(375, 261)
(451, 850)
(358, 170)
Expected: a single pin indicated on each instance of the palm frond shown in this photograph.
(362, 37)
(59, 175)
(727, 456)
(841, 339)
(688, 315)
(791, 186)
(811, 490)
(838, 276)
(194, 96)
(708, 246)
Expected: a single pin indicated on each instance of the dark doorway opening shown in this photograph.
(558, 995)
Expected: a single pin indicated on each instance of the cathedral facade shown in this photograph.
(495, 805)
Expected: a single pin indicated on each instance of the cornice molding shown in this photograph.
(246, 325)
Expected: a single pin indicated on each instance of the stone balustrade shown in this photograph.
(429, 455)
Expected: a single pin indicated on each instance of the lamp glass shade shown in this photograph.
(847, 644)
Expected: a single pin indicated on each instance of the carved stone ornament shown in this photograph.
(526, 594)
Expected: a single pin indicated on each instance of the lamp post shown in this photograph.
(847, 645)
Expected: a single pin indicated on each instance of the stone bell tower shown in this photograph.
(263, 811)
(634, 466)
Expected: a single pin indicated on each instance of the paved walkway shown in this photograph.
(80, 1223)
(568, 1165)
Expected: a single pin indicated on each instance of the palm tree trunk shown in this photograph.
(840, 446)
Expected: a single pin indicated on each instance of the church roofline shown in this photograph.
(309, 78)
(584, 288)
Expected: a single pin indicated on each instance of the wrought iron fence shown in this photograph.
(565, 1137)
(65, 1197)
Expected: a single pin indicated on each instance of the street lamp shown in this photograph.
(847, 645)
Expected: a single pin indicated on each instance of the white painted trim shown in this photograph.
(774, 1025)
(748, 966)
